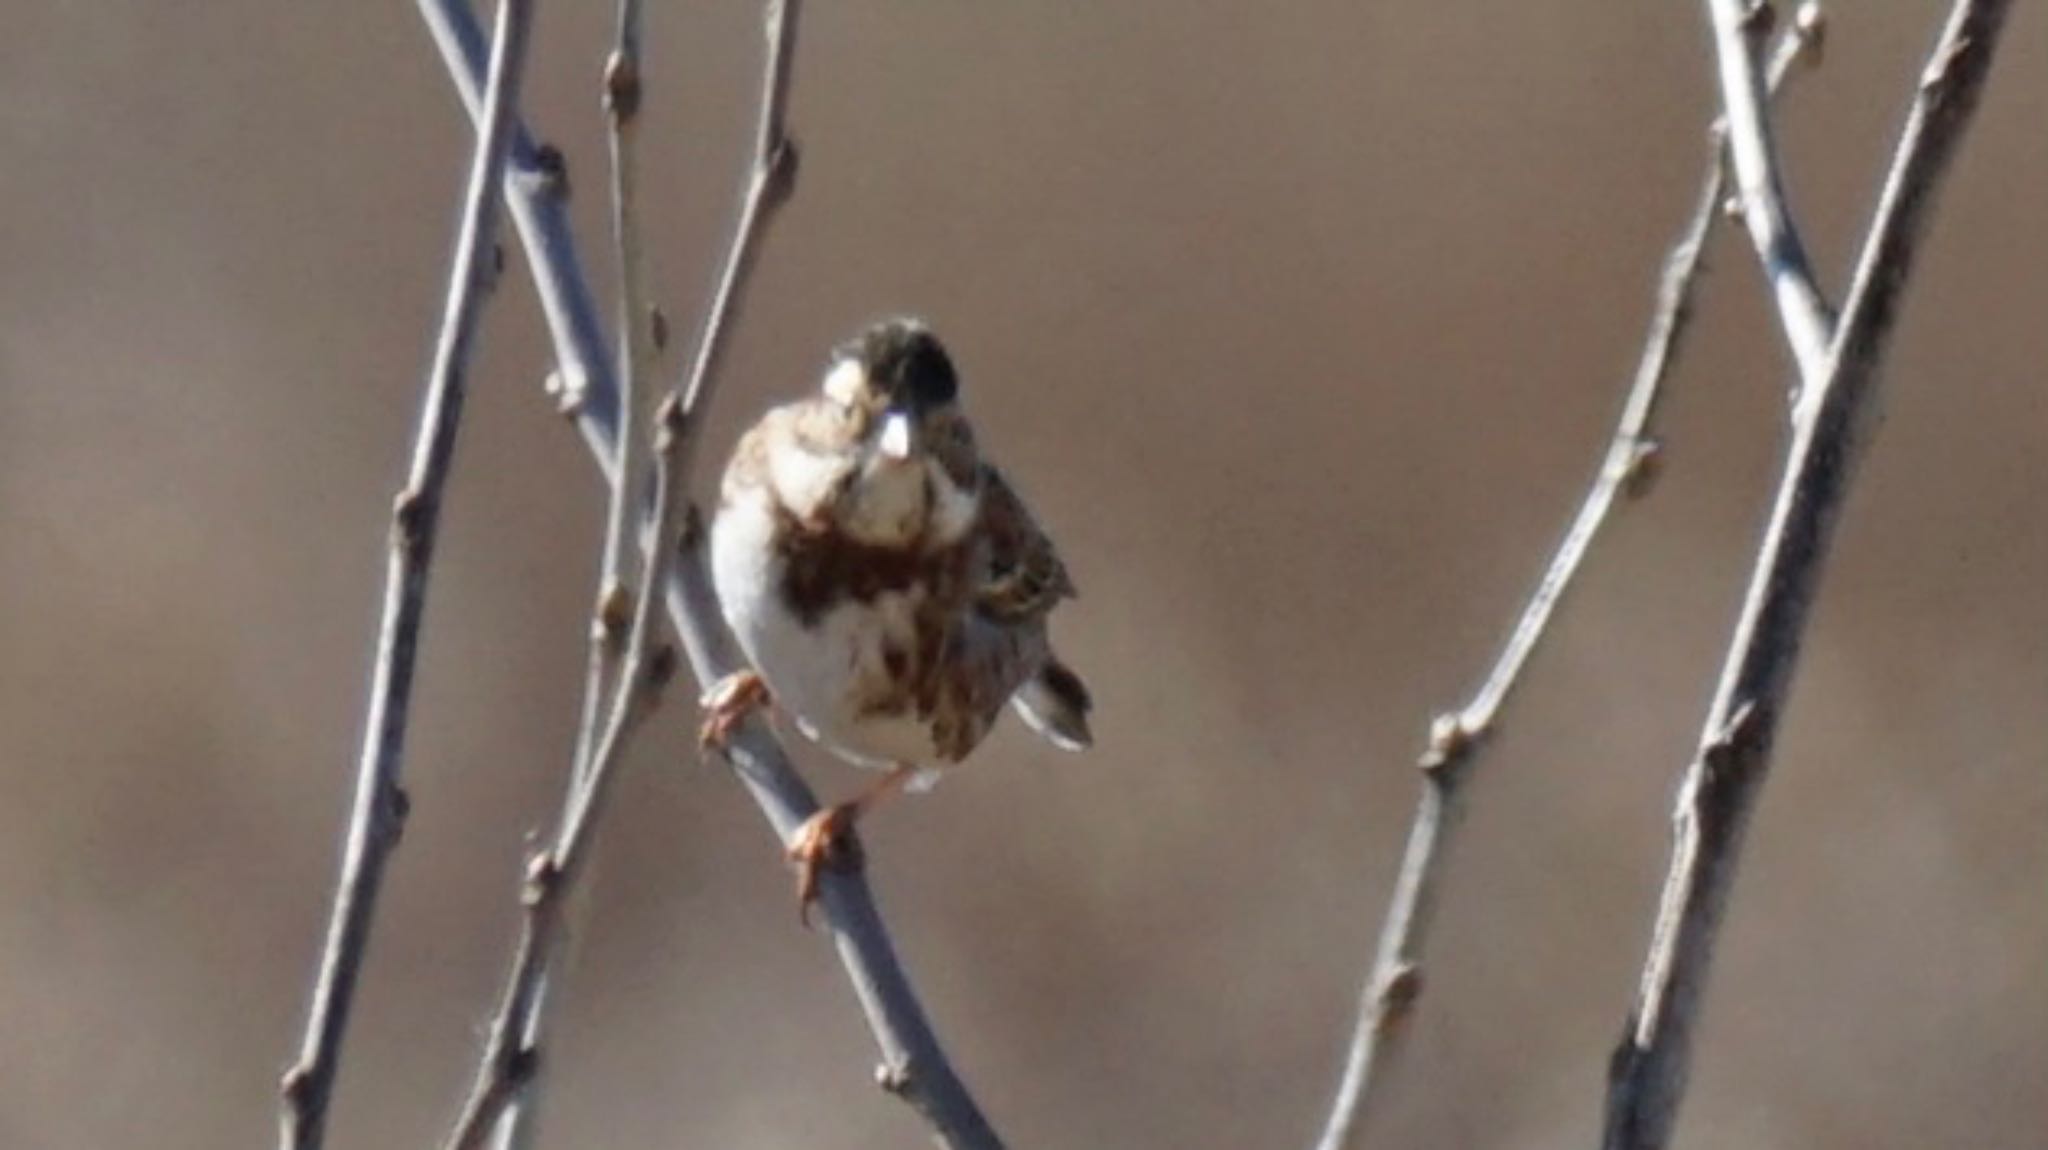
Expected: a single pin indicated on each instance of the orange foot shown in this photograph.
(824, 840)
(727, 704)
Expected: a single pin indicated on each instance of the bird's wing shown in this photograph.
(1024, 577)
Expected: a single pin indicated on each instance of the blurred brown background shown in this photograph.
(1302, 324)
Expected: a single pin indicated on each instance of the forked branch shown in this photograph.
(914, 1066)
(1740, 29)
(378, 810)
(507, 1071)
(1394, 982)
(1831, 428)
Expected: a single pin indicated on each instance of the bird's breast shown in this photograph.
(845, 634)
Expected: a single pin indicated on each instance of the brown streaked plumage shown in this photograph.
(888, 585)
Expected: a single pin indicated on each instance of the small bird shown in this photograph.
(888, 585)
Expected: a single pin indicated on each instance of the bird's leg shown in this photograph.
(727, 704)
(826, 838)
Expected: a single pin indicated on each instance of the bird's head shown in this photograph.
(896, 398)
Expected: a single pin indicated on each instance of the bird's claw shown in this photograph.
(825, 839)
(726, 705)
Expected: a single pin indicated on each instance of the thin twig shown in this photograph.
(509, 1071)
(772, 178)
(1740, 29)
(1394, 983)
(511, 1057)
(378, 809)
(914, 1066)
(1831, 429)
(536, 195)
(622, 101)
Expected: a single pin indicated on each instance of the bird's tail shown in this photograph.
(1055, 703)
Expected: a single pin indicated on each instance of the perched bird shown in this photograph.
(887, 584)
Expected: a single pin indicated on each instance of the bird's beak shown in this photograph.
(899, 436)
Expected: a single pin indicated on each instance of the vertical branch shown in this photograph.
(1831, 429)
(622, 101)
(914, 1065)
(378, 809)
(508, 1091)
(1394, 982)
(1740, 27)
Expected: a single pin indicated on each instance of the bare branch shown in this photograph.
(1395, 981)
(622, 102)
(378, 809)
(914, 1065)
(772, 179)
(511, 1059)
(502, 1101)
(536, 183)
(1740, 28)
(1831, 429)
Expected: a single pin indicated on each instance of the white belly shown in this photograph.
(816, 670)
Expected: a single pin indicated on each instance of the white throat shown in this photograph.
(904, 502)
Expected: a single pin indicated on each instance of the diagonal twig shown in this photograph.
(914, 1065)
(1394, 982)
(511, 1057)
(771, 179)
(1831, 429)
(536, 187)
(378, 809)
(500, 1107)
(1740, 29)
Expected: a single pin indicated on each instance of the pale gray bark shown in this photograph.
(914, 1066)
(1394, 982)
(378, 810)
(1831, 428)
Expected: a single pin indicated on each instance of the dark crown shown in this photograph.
(905, 360)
